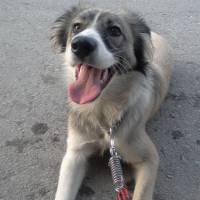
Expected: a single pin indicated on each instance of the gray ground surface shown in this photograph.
(33, 102)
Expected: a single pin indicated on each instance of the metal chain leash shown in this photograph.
(117, 172)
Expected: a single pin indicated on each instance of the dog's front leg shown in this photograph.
(71, 174)
(143, 156)
(145, 178)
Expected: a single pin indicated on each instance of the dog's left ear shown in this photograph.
(142, 41)
(60, 29)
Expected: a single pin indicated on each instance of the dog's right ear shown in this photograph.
(60, 29)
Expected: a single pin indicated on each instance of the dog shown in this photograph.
(117, 71)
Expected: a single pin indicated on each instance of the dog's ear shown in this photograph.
(142, 41)
(60, 29)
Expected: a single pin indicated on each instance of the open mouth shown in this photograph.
(89, 83)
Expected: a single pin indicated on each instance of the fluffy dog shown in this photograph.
(118, 71)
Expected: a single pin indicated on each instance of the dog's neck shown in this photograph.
(95, 123)
(116, 125)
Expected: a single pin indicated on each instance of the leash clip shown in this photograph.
(113, 151)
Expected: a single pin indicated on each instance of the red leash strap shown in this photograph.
(123, 194)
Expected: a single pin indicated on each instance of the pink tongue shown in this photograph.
(87, 87)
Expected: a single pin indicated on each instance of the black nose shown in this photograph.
(83, 46)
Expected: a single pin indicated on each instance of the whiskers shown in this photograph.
(122, 66)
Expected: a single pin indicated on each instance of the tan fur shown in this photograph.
(88, 126)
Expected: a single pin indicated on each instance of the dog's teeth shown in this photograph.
(105, 76)
(77, 71)
(81, 68)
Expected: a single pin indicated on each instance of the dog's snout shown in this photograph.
(83, 46)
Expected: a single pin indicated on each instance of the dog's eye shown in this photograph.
(114, 31)
(76, 27)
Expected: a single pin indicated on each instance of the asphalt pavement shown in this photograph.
(33, 109)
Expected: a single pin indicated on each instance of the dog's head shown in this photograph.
(100, 45)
